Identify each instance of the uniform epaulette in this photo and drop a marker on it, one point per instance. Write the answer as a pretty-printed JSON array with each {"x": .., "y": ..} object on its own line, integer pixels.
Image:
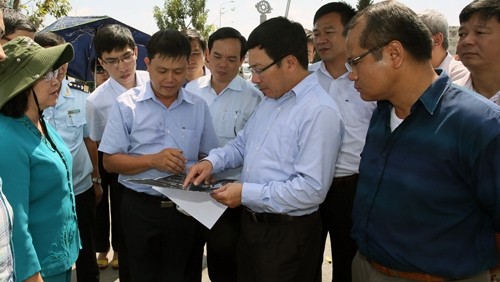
[{"x": 79, "y": 86}]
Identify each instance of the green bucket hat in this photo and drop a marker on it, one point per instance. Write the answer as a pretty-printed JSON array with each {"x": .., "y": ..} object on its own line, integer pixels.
[{"x": 26, "y": 63}]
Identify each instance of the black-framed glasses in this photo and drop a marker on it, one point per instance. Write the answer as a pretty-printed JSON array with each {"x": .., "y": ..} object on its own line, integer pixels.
[
  {"x": 260, "y": 71},
  {"x": 99, "y": 70},
  {"x": 126, "y": 58},
  {"x": 354, "y": 61}
]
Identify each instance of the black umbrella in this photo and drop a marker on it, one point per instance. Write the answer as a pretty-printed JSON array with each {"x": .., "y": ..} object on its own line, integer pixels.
[{"x": 79, "y": 31}]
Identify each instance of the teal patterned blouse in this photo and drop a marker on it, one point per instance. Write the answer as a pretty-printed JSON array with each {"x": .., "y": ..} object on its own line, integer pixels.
[{"x": 37, "y": 182}]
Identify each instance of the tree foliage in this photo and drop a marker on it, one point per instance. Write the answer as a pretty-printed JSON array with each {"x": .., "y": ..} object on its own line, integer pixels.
[
  {"x": 363, "y": 4},
  {"x": 36, "y": 10},
  {"x": 182, "y": 14}
]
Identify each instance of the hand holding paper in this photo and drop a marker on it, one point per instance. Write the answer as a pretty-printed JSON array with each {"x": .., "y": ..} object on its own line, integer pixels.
[{"x": 229, "y": 194}]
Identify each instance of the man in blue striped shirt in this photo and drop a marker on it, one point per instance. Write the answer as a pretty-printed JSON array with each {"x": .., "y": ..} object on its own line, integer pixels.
[
  {"x": 287, "y": 148},
  {"x": 428, "y": 204}
]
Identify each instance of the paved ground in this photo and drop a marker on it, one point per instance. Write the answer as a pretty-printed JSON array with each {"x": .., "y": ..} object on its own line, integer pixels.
[{"x": 111, "y": 275}]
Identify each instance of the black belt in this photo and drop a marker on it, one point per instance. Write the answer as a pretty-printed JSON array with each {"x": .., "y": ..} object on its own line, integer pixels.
[
  {"x": 345, "y": 179},
  {"x": 272, "y": 217},
  {"x": 163, "y": 202}
]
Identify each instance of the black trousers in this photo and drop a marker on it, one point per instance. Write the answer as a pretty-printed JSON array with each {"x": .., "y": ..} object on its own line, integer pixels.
[
  {"x": 221, "y": 242},
  {"x": 112, "y": 192},
  {"x": 336, "y": 216},
  {"x": 86, "y": 264},
  {"x": 159, "y": 240},
  {"x": 279, "y": 251}
]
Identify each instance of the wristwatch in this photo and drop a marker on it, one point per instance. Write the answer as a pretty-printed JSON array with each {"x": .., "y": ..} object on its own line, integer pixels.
[{"x": 97, "y": 180}]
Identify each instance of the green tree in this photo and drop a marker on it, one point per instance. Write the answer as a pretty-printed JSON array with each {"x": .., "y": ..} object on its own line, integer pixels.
[
  {"x": 36, "y": 10},
  {"x": 363, "y": 4},
  {"x": 182, "y": 14}
]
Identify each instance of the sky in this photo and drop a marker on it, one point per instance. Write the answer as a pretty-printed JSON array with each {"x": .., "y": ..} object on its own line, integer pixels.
[{"x": 240, "y": 14}]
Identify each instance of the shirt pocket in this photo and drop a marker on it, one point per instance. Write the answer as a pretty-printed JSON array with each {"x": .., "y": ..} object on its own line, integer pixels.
[
  {"x": 190, "y": 143},
  {"x": 75, "y": 120},
  {"x": 227, "y": 128}
]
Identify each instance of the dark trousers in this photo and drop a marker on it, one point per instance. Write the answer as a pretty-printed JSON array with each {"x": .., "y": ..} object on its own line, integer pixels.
[
  {"x": 86, "y": 264},
  {"x": 336, "y": 215},
  {"x": 111, "y": 196},
  {"x": 279, "y": 251},
  {"x": 221, "y": 242},
  {"x": 159, "y": 240}
]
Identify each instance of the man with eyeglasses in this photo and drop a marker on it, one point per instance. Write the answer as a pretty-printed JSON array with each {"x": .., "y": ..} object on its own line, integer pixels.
[
  {"x": 336, "y": 211},
  {"x": 427, "y": 204},
  {"x": 117, "y": 52},
  {"x": 231, "y": 101},
  {"x": 287, "y": 149}
]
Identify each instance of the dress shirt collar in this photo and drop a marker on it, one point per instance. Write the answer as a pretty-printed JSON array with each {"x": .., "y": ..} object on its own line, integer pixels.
[
  {"x": 433, "y": 94},
  {"x": 235, "y": 84},
  {"x": 147, "y": 92},
  {"x": 322, "y": 69},
  {"x": 303, "y": 87}
]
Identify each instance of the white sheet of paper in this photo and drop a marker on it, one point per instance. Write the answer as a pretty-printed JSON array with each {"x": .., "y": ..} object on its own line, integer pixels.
[{"x": 199, "y": 205}]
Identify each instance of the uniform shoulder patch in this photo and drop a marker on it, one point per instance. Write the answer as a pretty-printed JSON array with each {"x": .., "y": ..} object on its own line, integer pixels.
[{"x": 79, "y": 86}]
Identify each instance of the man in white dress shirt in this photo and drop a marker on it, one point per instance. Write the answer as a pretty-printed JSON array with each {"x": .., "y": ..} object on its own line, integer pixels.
[
  {"x": 329, "y": 22},
  {"x": 117, "y": 53},
  {"x": 441, "y": 59}
]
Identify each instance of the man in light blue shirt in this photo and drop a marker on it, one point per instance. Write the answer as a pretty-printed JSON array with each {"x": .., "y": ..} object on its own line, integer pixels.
[
  {"x": 287, "y": 150},
  {"x": 231, "y": 100},
  {"x": 157, "y": 130}
]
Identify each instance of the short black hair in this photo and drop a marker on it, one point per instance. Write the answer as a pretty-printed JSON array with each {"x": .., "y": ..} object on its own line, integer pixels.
[
  {"x": 15, "y": 20},
  {"x": 487, "y": 9},
  {"x": 169, "y": 43},
  {"x": 391, "y": 20},
  {"x": 113, "y": 37},
  {"x": 48, "y": 39},
  {"x": 193, "y": 34},
  {"x": 345, "y": 11},
  {"x": 228, "y": 32},
  {"x": 280, "y": 37}
]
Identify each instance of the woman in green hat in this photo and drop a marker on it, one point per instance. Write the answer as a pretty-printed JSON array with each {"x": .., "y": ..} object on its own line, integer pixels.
[{"x": 35, "y": 164}]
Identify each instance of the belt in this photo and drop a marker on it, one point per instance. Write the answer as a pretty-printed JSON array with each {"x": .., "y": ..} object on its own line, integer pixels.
[
  {"x": 272, "y": 217},
  {"x": 343, "y": 179},
  {"x": 163, "y": 202},
  {"x": 406, "y": 275}
]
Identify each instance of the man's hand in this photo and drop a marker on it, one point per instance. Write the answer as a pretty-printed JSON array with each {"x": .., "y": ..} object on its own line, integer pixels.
[
  {"x": 198, "y": 173},
  {"x": 98, "y": 193},
  {"x": 170, "y": 160},
  {"x": 229, "y": 194}
]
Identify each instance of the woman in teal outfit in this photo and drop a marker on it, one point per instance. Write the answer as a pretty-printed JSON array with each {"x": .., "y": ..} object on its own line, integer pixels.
[{"x": 35, "y": 165}]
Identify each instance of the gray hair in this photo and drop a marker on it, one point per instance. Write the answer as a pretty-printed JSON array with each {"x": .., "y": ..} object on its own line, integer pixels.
[{"x": 436, "y": 22}]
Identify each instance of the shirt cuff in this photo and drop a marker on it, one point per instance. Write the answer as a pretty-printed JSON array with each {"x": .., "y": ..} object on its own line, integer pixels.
[{"x": 251, "y": 196}]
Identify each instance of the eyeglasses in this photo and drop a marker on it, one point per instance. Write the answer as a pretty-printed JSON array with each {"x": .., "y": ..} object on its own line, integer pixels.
[
  {"x": 260, "y": 71},
  {"x": 127, "y": 58},
  {"x": 99, "y": 70},
  {"x": 354, "y": 61},
  {"x": 51, "y": 75}
]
